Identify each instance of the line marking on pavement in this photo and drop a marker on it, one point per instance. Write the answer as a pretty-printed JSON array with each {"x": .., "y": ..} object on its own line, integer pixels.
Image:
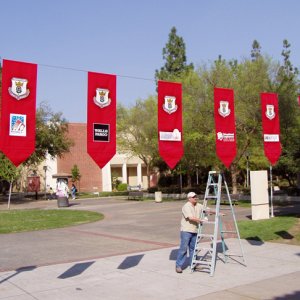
[{"x": 123, "y": 238}]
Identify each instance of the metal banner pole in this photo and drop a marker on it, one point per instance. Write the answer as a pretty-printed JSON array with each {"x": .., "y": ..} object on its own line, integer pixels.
[
  {"x": 9, "y": 195},
  {"x": 271, "y": 192}
]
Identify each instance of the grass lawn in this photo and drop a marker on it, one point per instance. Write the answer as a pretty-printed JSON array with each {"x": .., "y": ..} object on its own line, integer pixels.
[
  {"x": 283, "y": 229},
  {"x": 35, "y": 219}
]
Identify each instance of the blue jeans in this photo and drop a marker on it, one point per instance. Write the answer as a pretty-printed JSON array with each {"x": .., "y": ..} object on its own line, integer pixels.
[{"x": 187, "y": 241}]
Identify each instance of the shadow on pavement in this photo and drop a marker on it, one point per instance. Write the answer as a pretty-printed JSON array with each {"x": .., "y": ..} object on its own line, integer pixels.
[
  {"x": 130, "y": 262},
  {"x": 76, "y": 270},
  {"x": 255, "y": 241},
  {"x": 18, "y": 271},
  {"x": 294, "y": 296},
  {"x": 173, "y": 254}
]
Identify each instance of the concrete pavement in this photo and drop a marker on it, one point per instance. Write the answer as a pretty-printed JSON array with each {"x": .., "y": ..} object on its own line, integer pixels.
[{"x": 131, "y": 255}]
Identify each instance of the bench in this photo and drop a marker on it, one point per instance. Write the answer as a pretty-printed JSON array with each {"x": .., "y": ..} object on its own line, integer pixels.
[
  {"x": 135, "y": 195},
  {"x": 134, "y": 187}
]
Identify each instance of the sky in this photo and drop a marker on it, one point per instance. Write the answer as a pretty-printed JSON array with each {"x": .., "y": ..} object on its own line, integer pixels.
[{"x": 68, "y": 38}]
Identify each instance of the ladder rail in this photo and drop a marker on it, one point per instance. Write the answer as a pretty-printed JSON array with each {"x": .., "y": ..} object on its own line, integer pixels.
[
  {"x": 216, "y": 228},
  {"x": 234, "y": 221}
]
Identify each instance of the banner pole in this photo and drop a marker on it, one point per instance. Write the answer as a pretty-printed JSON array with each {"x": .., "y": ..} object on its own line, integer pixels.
[
  {"x": 9, "y": 195},
  {"x": 271, "y": 192}
]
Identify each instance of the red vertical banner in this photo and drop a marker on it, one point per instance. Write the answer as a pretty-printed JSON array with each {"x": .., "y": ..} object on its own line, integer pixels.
[
  {"x": 225, "y": 125},
  {"x": 101, "y": 117},
  {"x": 170, "y": 135},
  {"x": 271, "y": 127},
  {"x": 299, "y": 100},
  {"x": 18, "y": 112}
]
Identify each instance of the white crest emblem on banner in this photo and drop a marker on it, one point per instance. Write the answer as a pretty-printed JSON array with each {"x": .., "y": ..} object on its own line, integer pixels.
[
  {"x": 18, "y": 88},
  {"x": 270, "y": 113},
  {"x": 224, "y": 110},
  {"x": 101, "y": 99},
  {"x": 170, "y": 105}
]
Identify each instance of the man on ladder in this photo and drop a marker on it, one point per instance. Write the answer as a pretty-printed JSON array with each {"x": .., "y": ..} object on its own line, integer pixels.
[
  {"x": 205, "y": 256},
  {"x": 189, "y": 229}
]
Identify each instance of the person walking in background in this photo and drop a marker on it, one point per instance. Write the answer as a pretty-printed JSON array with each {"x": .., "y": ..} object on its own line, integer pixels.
[
  {"x": 51, "y": 193},
  {"x": 73, "y": 191},
  {"x": 188, "y": 230}
]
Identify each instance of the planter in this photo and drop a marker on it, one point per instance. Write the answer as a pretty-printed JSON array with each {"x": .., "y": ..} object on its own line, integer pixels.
[{"x": 62, "y": 202}]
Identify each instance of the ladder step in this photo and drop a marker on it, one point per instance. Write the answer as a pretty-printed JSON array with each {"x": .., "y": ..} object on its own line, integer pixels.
[
  {"x": 211, "y": 197},
  {"x": 202, "y": 262},
  {"x": 208, "y": 222},
  {"x": 213, "y": 184},
  {"x": 228, "y": 231},
  {"x": 232, "y": 254},
  {"x": 206, "y": 235},
  {"x": 205, "y": 249}
]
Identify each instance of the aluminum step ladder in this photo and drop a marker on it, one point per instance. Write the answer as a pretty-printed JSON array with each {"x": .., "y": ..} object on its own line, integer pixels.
[{"x": 204, "y": 257}]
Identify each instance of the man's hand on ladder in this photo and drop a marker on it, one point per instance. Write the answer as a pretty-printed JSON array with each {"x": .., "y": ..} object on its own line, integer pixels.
[
  {"x": 212, "y": 212},
  {"x": 198, "y": 220}
]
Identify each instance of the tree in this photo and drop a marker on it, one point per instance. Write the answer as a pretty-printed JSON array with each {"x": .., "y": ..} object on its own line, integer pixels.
[
  {"x": 75, "y": 174},
  {"x": 287, "y": 85},
  {"x": 175, "y": 58},
  {"x": 255, "y": 52},
  {"x": 51, "y": 135},
  {"x": 137, "y": 132},
  {"x": 198, "y": 125},
  {"x": 247, "y": 78},
  {"x": 9, "y": 172}
]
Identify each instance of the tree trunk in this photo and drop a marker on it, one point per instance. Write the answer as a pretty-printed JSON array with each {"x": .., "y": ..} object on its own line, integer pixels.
[
  {"x": 189, "y": 180},
  {"x": 148, "y": 175},
  {"x": 234, "y": 173}
]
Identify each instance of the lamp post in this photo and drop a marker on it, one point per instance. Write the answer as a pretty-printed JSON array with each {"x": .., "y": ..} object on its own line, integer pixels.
[
  {"x": 247, "y": 166},
  {"x": 180, "y": 179},
  {"x": 197, "y": 174},
  {"x": 45, "y": 169}
]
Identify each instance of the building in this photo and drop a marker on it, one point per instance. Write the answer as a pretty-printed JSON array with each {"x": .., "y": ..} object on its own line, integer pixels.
[{"x": 124, "y": 167}]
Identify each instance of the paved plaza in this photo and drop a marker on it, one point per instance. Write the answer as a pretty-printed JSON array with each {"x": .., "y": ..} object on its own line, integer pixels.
[{"x": 131, "y": 255}]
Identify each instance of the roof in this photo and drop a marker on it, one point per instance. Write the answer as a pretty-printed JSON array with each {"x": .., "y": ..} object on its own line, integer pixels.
[{"x": 62, "y": 175}]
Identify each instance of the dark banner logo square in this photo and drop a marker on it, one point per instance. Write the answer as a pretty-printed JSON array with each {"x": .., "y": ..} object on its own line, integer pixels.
[{"x": 101, "y": 132}]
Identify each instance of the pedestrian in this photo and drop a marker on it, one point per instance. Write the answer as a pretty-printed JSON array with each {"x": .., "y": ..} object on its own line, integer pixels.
[
  {"x": 51, "y": 193},
  {"x": 188, "y": 230},
  {"x": 73, "y": 191}
]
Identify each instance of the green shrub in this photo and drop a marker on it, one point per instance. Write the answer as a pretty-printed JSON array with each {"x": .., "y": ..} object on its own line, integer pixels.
[
  {"x": 152, "y": 189},
  {"x": 122, "y": 187}
]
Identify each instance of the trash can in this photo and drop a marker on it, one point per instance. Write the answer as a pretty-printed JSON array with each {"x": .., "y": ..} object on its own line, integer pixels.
[
  {"x": 62, "y": 202},
  {"x": 158, "y": 197}
]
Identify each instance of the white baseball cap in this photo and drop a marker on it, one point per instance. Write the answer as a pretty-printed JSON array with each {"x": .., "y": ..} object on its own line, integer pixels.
[{"x": 191, "y": 195}]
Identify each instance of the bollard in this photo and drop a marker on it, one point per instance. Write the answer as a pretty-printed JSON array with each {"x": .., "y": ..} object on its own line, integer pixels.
[{"x": 158, "y": 197}]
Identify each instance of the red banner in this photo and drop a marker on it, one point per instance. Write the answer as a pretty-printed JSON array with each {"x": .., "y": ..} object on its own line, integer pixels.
[
  {"x": 271, "y": 127},
  {"x": 170, "y": 134},
  {"x": 299, "y": 100},
  {"x": 18, "y": 113},
  {"x": 225, "y": 125},
  {"x": 101, "y": 117}
]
